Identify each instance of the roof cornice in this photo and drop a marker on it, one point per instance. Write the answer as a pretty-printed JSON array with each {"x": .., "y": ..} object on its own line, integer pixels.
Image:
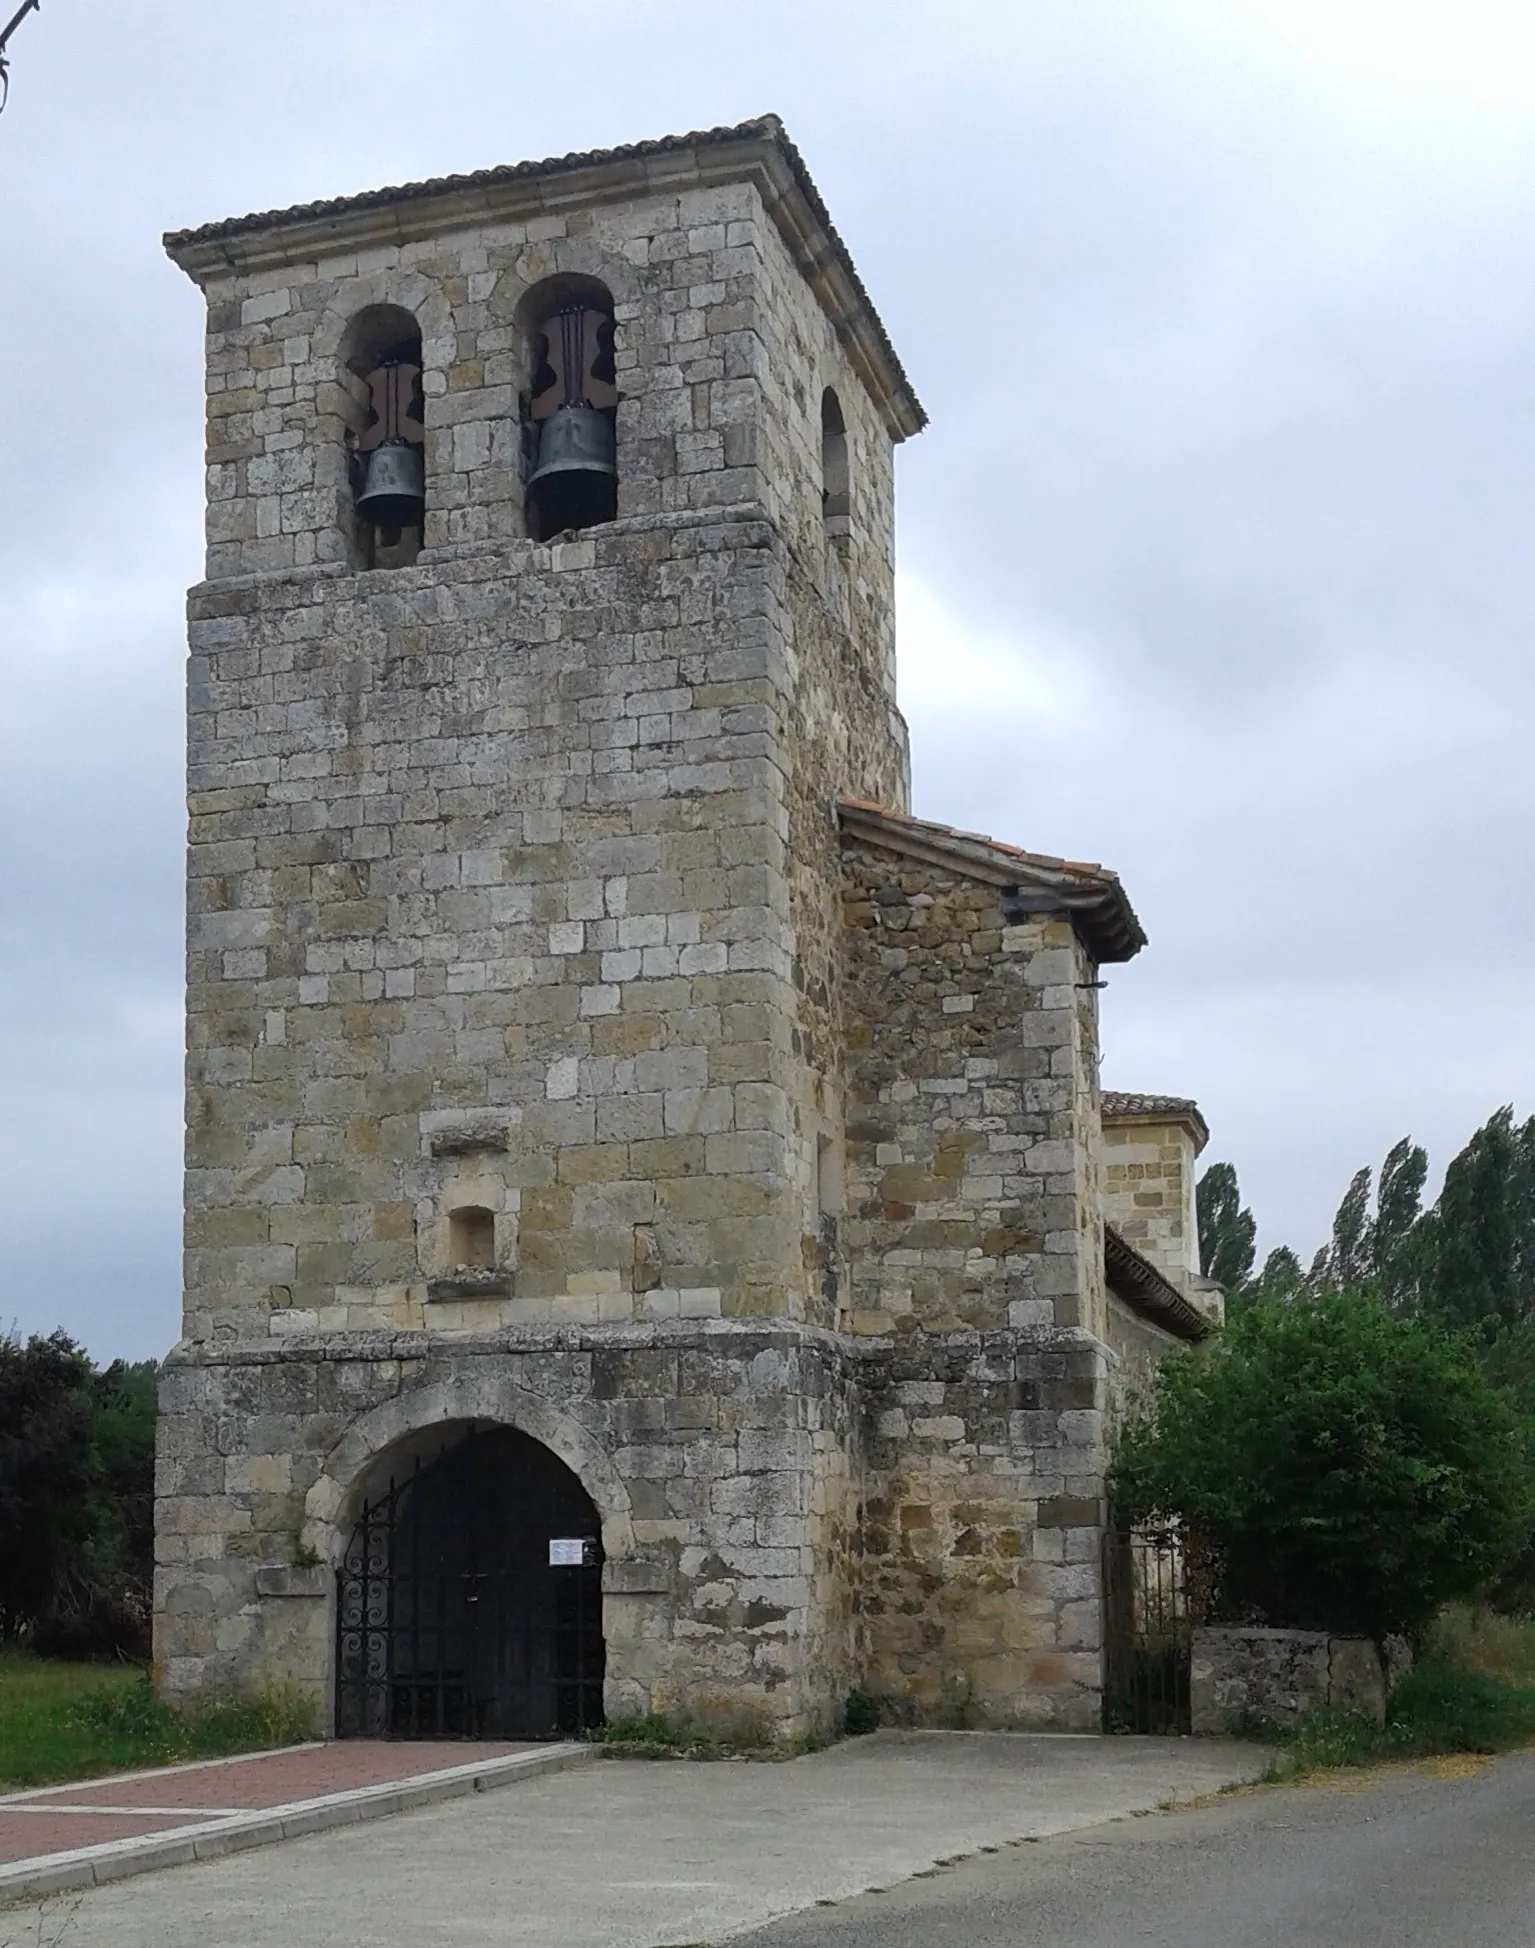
[
  {"x": 1121, "y": 1109},
  {"x": 757, "y": 152},
  {"x": 1148, "y": 1292},
  {"x": 1091, "y": 897}
]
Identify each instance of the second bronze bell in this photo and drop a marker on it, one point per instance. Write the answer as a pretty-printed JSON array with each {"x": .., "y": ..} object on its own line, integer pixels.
[
  {"x": 393, "y": 491},
  {"x": 575, "y": 483}
]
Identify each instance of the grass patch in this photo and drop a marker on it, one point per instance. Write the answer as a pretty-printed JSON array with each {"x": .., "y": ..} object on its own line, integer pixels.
[
  {"x": 1479, "y": 1640},
  {"x": 63, "y": 1721},
  {"x": 724, "y": 1735},
  {"x": 1441, "y": 1709}
]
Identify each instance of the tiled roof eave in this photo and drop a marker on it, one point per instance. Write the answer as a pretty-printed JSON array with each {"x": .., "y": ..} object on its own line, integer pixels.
[
  {"x": 1089, "y": 896},
  {"x": 1147, "y": 1292},
  {"x": 1123, "y": 1106}
]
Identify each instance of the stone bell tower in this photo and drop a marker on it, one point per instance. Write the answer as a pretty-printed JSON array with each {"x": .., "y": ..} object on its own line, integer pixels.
[{"x": 548, "y": 613}]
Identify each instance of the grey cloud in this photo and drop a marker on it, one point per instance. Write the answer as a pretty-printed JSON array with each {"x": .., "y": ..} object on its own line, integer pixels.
[{"x": 1230, "y": 394}]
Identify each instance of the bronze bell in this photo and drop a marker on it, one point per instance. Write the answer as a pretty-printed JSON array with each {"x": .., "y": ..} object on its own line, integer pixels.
[
  {"x": 576, "y": 481},
  {"x": 393, "y": 493}
]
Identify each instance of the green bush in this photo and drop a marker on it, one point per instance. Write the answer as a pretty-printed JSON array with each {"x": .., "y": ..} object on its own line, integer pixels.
[
  {"x": 1348, "y": 1469},
  {"x": 1474, "y": 1639},
  {"x": 666, "y": 1734},
  {"x": 1439, "y": 1710},
  {"x": 860, "y": 1715},
  {"x": 241, "y": 1722},
  {"x": 718, "y": 1734},
  {"x": 1442, "y": 1709}
]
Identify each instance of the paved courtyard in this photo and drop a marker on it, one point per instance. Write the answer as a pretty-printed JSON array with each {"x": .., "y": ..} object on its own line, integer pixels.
[{"x": 634, "y": 1855}]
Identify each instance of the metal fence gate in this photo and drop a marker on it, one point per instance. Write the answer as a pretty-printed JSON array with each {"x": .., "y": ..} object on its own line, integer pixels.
[
  {"x": 469, "y": 1601},
  {"x": 1148, "y": 1626}
]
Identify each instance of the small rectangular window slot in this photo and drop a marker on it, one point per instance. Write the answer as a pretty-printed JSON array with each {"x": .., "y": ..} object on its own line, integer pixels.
[
  {"x": 464, "y": 1142},
  {"x": 828, "y": 1177}
]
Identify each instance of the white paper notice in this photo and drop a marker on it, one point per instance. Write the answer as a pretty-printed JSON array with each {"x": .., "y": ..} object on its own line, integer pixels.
[{"x": 565, "y": 1551}]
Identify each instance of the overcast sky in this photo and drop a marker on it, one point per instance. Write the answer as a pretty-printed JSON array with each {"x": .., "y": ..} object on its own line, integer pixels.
[{"x": 1215, "y": 560}]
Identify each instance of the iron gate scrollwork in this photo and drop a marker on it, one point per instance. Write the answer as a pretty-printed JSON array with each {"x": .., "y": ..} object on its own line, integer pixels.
[{"x": 469, "y": 1600}]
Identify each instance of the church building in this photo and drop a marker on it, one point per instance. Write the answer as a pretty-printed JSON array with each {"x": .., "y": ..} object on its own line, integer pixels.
[{"x": 655, "y": 1239}]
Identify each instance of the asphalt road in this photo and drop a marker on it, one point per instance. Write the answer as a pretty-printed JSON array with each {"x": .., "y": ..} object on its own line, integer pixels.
[{"x": 1438, "y": 1856}]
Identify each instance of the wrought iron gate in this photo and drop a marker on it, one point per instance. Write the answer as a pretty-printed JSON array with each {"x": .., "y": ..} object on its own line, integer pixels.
[
  {"x": 1148, "y": 1626},
  {"x": 469, "y": 1601}
]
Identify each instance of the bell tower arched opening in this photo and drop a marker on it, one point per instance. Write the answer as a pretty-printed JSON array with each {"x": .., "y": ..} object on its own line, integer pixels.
[
  {"x": 381, "y": 370},
  {"x": 469, "y": 1596},
  {"x": 570, "y": 410}
]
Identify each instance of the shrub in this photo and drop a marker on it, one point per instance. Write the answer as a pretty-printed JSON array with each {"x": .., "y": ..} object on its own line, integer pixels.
[
  {"x": 1348, "y": 1468},
  {"x": 860, "y": 1715},
  {"x": 1438, "y": 1710},
  {"x": 201, "y": 1728},
  {"x": 1443, "y": 1709}
]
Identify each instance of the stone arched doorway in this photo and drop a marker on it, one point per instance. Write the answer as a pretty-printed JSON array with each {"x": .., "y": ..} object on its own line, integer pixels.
[{"x": 469, "y": 1597}]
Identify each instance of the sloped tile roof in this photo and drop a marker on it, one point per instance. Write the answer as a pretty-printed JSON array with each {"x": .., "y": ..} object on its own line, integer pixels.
[
  {"x": 1121, "y": 1106},
  {"x": 1089, "y": 895},
  {"x": 767, "y": 126}
]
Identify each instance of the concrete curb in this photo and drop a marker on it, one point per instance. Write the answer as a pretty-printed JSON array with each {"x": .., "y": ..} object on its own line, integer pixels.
[{"x": 64, "y": 1873}]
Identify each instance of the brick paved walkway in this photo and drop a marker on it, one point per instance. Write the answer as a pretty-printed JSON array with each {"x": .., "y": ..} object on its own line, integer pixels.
[{"x": 186, "y": 1798}]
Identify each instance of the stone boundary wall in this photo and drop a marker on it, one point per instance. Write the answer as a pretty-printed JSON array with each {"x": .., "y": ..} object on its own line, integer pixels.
[{"x": 1277, "y": 1675}]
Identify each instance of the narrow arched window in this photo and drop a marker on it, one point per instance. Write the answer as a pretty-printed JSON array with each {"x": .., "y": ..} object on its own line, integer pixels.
[
  {"x": 570, "y": 416},
  {"x": 386, "y": 436},
  {"x": 836, "y": 504}
]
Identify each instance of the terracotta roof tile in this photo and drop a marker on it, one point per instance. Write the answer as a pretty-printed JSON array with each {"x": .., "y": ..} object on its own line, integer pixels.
[
  {"x": 1121, "y": 1105},
  {"x": 1089, "y": 895}
]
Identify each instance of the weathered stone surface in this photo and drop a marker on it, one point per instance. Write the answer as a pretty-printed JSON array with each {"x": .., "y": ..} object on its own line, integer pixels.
[
  {"x": 519, "y": 913},
  {"x": 1276, "y": 1675}
]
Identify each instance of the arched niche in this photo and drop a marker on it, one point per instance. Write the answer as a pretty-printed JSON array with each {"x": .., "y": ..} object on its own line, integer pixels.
[
  {"x": 381, "y": 370},
  {"x": 359, "y": 318}
]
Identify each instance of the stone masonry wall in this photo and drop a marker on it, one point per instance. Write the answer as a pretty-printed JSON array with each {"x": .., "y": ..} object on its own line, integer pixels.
[
  {"x": 975, "y": 1267},
  {"x": 983, "y": 1485},
  {"x": 971, "y": 1132},
  {"x": 433, "y": 897},
  {"x": 1148, "y": 1192},
  {"x": 1243, "y": 1673},
  {"x": 491, "y": 906},
  {"x": 704, "y": 1448},
  {"x": 1138, "y": 1348},
  {"x": 501, "y": 839}
]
